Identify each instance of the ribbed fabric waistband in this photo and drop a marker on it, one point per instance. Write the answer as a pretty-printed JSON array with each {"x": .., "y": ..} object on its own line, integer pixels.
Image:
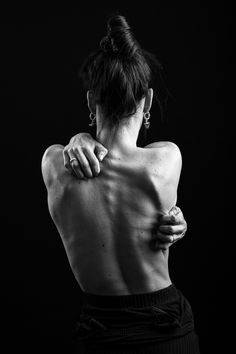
[
  {"x": 134, "y": 300},
  {"x": 131, "y": 319}
]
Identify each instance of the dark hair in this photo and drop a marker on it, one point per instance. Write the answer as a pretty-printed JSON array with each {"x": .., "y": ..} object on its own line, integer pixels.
[{"x": 119, "y": 73}]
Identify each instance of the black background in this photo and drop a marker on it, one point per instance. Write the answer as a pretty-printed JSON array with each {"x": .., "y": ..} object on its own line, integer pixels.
[{"x": 42, "y": 103}]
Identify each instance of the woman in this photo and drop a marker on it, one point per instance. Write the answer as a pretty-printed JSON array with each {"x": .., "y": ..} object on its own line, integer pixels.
[{"x": 108, "y": 224}]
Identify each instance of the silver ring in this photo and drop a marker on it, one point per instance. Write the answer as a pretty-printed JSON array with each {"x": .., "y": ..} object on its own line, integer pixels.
[{"x": 72, "y": 159}]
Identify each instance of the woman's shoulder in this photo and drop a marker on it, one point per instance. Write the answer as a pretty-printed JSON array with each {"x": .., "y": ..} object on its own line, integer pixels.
[
  {"x": 166, "y": 150},
  {"x": 52, "y": 165},
  {"x": 164, "y": 159},
  {"x": 164, "y": 146}
]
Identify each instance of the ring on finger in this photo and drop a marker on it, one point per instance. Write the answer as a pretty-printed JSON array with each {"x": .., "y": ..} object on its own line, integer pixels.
[{"x": 72, "y": 159}]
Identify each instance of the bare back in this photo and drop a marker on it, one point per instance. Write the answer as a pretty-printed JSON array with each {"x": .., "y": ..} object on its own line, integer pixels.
[{"x": 107, "y": 224}]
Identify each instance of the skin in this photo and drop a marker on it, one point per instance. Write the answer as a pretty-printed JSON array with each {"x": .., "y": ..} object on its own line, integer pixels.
[
  {"x": 171, "y": 227},
  {"x": 108, "y": 224}
]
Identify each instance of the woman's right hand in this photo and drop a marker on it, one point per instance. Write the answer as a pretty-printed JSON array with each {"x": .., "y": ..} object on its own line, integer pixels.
[
  {"x": 172, "y": 228},
  {"x": 87, "y": 153}
]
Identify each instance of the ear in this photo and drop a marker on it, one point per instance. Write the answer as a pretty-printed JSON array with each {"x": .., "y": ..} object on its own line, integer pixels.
[
  {"x": 91, "y": 102},
  {"x": 148, "y": 100}
]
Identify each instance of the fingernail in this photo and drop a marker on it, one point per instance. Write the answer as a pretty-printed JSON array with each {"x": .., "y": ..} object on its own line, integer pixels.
[{"x": 101, "y": 156}]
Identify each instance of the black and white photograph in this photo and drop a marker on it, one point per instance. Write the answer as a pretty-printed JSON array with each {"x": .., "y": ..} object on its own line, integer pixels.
[{"x": 117, "y": 138}]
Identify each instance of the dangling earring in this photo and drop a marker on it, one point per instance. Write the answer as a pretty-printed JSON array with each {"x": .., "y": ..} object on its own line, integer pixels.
[
  {"x": 92, "y": 117},
  {"x": 146, "y": 117}
]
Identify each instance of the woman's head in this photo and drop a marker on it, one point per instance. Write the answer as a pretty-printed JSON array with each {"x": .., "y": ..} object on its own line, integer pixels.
[{"x": 119, "y": 73}]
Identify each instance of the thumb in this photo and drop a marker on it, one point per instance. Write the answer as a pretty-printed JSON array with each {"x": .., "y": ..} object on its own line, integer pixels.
[{"x": 100, "y": 151}]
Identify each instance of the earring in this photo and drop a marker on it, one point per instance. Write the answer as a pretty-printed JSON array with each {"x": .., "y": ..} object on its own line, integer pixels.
[
  {"x": 92, "y": 117},
  {"x": 146, "y": 117}
]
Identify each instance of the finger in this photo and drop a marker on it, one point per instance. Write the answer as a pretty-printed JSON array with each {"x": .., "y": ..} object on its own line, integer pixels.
[
  {"x": 168, "y": 238},
  {"x": 93, "y": 161},
  {"x": 172, "y": 219},
  {"x": 100, "y": 151},
  {"x": 66, "y": 159},
  {"x": 172, "y": 229},
  {"x": 74, "y": 163},
  {"x": 77, "y": 170},
  {"x": 84, "y": 164}
]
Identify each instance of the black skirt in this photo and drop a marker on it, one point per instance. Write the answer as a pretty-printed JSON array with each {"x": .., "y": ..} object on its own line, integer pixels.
[{"x": 155, "y": 322}]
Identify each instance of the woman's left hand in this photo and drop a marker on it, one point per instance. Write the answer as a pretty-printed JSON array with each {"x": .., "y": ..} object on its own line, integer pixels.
[{"x": 172, "y": 228}]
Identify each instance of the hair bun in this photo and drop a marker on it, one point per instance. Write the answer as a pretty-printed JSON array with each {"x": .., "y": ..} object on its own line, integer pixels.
[
  {"x": 107, "y": 45},
  {"x": 119, "y": 39}
]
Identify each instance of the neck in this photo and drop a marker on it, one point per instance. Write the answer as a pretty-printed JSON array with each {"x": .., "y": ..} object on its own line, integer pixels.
[{"x": 121, "y": 137}]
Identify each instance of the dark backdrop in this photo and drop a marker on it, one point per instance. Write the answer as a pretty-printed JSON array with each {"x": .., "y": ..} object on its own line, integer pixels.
[{"x": 42, "y": 103}]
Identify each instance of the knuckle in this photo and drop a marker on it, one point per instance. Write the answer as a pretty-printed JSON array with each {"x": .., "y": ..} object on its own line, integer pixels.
[
  {"x": 173, "y": 211},
  {"x": 76, "y": 149},
  {"x": 84, "y": 148},
  {"x": 74, "y": 163},
  {"x": 177, "y": 210},
  {"x": 178, "y": 219}
]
